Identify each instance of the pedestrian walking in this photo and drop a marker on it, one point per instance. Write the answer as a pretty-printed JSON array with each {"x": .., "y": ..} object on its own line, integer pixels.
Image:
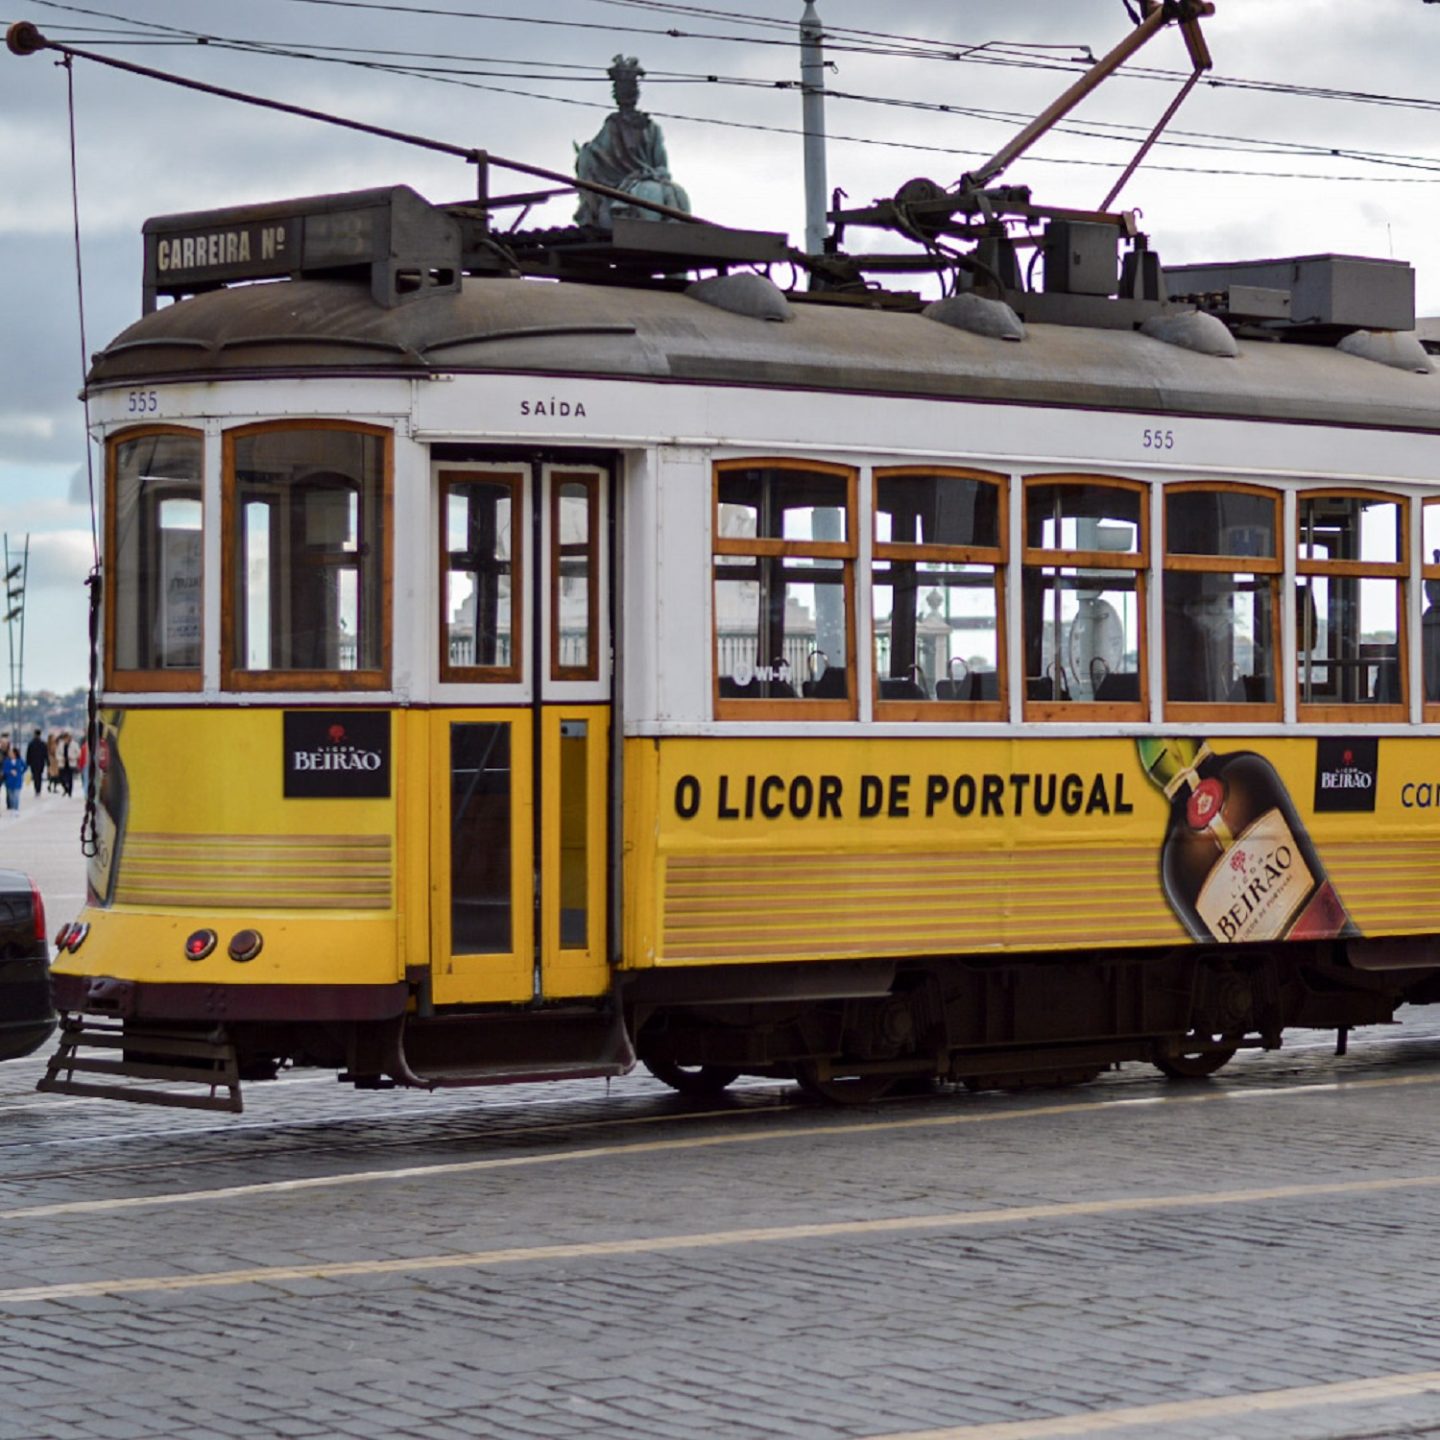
[
  {"x": 52, "y": 763},
  {"x": 66, "y": 753},
  {"x": 37, "y": 757},
  {"x": 12, "y": 772}
]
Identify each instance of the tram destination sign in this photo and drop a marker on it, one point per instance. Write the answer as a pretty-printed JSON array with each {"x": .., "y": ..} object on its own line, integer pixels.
[
  {"x": 337, "y": 754},
  {"x": 405, "y": 245}
]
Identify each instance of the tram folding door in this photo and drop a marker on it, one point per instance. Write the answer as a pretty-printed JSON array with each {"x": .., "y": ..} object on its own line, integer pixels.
[{"x": 520, "y": 756}]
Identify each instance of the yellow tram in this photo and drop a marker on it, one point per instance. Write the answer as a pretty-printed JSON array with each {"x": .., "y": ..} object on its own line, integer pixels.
[{"x": 520, "y": 661}]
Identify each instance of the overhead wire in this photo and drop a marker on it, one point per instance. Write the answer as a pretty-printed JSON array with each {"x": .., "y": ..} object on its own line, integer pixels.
[
  {"x": 1100, "y": 130},
  {"x": 1009, "y": 53}
]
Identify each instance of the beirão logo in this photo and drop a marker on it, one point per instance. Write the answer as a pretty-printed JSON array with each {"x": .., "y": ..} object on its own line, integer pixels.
[
  {"x": 1346, "y": 774},
  {"x": 339, "y": 754}
]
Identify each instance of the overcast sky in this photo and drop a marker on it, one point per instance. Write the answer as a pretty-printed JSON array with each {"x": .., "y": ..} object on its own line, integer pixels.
[{"x": 1251, "y": 171}]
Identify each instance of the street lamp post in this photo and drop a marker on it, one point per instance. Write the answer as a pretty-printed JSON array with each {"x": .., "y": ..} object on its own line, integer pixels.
[{"x": 17, "y": 566}]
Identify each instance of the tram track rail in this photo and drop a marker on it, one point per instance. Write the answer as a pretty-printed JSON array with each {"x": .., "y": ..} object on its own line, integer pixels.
[
  {"x": 495, "y": 1123},
  {"x": 830, "y": 1124}
]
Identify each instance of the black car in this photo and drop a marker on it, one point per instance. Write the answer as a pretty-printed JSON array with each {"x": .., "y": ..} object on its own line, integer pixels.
[{"x": 27, "y": 1015}]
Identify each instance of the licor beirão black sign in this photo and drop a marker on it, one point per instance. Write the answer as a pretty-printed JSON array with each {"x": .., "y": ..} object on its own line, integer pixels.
[
  {"x": 337, "y": 754},
  {"x": 1345, "y": 773}
]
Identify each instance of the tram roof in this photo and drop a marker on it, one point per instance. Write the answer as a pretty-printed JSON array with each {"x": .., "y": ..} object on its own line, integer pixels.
[{"x": 312, "y": 328}]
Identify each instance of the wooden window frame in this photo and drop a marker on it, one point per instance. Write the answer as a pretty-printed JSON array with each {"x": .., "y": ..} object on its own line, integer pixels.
[
  {"x": 515, "y": 481},
  {"x": 1360, "y": 712},
  {"x": 238, "y": 678},
  {"x": 1273, "y": 565},
  {"x": 1429, "y": 571},
  {"x": 177, "y": 681},
  {"x": 846, "y": 551},
  {"x": 1038, "y": 558},
  {"x": 590, "y": 670},
  {"x": 972, "y": 710}
]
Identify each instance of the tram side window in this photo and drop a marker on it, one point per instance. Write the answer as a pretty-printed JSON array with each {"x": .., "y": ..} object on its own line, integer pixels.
[
  {"x": 1351, "y": 570},
  {"x": 1430, "y": 617},
  {"x": 308, "y": 556},
  {"x": 155, "y": 549},
  {"x": 482, "y": 575},
  {"x": 783, "y": 577},
  {"x": 936, "y": 584},
  {"x": 1222, "y": 598},
  {"x": 1083, "y": 594}
]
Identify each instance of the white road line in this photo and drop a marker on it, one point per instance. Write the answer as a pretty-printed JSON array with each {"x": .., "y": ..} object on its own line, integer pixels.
[
  {"x": 698, "y": 1142},
  {"x": 718, "y": 1239},
  {"x": 1369, "y": 1391}
]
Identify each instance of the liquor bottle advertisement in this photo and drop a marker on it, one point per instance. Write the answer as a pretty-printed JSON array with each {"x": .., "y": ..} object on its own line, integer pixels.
[
  {"x": 112, "y": 806},
  {"x": 1237, "y": 863}
]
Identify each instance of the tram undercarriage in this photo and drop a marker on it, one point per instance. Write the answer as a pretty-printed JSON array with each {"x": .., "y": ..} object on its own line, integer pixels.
[{"x": 847, "y": 1032}]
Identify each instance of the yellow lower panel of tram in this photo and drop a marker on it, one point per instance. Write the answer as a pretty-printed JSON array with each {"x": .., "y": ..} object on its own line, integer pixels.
[{"x": 331, "y": 948}]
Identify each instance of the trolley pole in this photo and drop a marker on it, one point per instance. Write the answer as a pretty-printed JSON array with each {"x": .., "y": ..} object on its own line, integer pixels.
[
  {"x": 812, "y": 89},
  {"x": 17, "y": 568}
]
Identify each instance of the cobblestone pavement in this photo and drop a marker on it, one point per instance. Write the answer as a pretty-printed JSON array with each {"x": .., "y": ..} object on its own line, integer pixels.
[{"x": 1127, "y": 1258}]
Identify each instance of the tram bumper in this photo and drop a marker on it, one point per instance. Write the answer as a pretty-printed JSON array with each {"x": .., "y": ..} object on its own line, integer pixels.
[{"x": 218, "y": 1003}]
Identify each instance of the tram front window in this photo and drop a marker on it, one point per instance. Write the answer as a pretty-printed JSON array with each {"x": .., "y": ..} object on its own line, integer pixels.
[
  {"x": 156, "y": 550},
  {"x": 308, "y": 572}
]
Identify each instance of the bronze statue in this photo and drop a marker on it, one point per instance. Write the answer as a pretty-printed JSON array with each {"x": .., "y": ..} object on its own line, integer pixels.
[{"x": 628, "y": 154}]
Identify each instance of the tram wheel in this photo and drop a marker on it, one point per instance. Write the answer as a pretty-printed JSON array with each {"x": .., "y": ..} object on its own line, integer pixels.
[
  {"x": 700, "y": 1082},
  {"x": 842, "y": 1090},
  {"x": 1196, "y": 1064}
]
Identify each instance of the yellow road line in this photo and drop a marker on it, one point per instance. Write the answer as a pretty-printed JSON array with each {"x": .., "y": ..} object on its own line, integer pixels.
[
  {"x": 719, "y": 1239},
  {"x": 698, "y": 1142},
  {"x": 1178, "y": 1412}
]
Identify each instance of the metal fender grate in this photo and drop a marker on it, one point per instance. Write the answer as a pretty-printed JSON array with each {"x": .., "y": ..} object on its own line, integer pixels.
[{"x": 162, "y": 1057}]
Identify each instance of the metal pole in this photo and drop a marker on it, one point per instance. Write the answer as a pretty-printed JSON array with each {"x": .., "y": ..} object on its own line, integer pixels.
[
  {"x": 1187, "y": 12},
  {"x": 16, "y": 573},
  {"x": 812, "y": 89},
  {"x": 1150, "y": 139}
]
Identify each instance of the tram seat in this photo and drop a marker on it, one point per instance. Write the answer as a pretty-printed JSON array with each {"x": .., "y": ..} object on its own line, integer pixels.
[
  {"x": 832, "y": 685},
  {"x": 978, "y": 685},
  {"x": 1118, "y": 686},
  {"x": 1249, "y": 690},
  {"x": 1387, "y": 683},
  {"x": 901, "y": 687},
  {"x": 731, "y": 689},
  {"x": 1042, "y": 687}
]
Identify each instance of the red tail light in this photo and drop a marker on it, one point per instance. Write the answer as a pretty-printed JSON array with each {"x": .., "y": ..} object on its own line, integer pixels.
[
  {"x": 37, "y": 905},
  {"x": 200, "y": 944},
  {"x": 245, "y": 945}
]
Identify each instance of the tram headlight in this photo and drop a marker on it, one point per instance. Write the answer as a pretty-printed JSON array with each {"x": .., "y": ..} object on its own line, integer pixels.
[
  {"x": 75, "y": 935},
  {"x": 246, "y": 945},
  {"x": 62, "y": 936},
  {"x": 200, "y": 944}
]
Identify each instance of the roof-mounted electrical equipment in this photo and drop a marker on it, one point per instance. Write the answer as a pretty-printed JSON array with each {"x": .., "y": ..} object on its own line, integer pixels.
[{"x": 1314, "y": 293}]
